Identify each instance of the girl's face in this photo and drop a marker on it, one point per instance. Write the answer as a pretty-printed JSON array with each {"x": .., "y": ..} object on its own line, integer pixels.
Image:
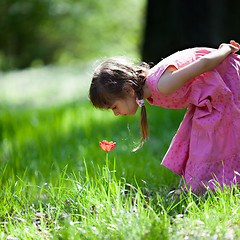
[{"x": 125, "y": 107}]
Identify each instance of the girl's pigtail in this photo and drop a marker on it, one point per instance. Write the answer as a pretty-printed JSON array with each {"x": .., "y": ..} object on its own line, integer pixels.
[
  {"x": 144, "y": 125},
  {"x": 143, "y": 120}
]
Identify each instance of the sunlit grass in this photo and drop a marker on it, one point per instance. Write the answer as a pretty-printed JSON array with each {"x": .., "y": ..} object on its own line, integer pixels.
[
  {"x": 106, "y": 207},
  {"x": 56, "y": 184},
  {"x": 43, "y": 140}
]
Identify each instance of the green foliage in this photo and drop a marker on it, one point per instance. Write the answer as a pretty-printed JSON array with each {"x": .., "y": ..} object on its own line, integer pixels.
[
  {"x": 35, "y": 32},
  {"x": 46, "y": 140},
  {"x": 57, "y": 183},
  {"x": 20, "y": 39},
  {"x": 54, "y": 178}
]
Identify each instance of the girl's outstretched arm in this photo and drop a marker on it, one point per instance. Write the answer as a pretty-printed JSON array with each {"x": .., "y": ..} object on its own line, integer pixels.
[{"x": 173, "y": 79}]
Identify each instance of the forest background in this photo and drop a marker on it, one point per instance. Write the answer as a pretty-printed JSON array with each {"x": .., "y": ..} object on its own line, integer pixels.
[{"x": 55, "y": 181}]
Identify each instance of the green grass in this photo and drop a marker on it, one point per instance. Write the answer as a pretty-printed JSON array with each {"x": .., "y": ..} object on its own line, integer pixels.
[
  {"x": 46, "y": 140},
  {"x": 56, "y": 184}
]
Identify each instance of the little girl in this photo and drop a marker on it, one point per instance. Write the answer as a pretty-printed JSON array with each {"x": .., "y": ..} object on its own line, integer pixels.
[{"x": 206, "y": 147}]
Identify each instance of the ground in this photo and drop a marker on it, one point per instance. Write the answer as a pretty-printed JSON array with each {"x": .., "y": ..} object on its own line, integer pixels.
[{"x": 45, "y": 86}]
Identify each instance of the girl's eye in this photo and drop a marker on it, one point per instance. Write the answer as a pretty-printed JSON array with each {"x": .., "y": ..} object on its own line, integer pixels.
[{"x": 113, "y": 108}]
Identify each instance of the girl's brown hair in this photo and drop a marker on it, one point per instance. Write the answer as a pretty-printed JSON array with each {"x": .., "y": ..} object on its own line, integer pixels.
[{"x": 108, "y": 82}]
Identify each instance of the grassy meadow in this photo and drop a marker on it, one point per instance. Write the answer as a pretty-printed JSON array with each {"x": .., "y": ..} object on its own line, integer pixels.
[
  {"x": 55, "y": 180},
  {"x": 57, "y": 183}
]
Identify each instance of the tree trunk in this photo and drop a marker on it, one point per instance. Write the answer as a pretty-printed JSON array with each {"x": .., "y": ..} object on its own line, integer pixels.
[{"x": 174, "y": 25}]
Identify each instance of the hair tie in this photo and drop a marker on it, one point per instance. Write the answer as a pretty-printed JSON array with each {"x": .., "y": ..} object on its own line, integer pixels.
[{"x": 140, "y": 102}]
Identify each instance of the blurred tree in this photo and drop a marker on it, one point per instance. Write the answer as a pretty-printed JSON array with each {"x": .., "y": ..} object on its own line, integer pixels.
[
  {"x": 175, "y": 25},
  {"x": 67, "y": 31},
  {"x": 91, "y": 29},
  {"x": 20, "y": 36}
]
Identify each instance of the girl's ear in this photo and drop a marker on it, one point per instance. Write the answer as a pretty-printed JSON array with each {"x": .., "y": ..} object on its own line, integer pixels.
[{"x": 128, "y": 90}]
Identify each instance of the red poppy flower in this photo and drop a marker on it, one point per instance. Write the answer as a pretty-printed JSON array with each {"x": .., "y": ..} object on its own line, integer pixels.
[{"x": 107, "y": 146}]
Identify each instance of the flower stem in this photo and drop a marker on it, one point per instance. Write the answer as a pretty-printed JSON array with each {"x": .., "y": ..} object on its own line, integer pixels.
[
  {"x": 107, "y": 173},
  {"x": 107, "y": 160}
]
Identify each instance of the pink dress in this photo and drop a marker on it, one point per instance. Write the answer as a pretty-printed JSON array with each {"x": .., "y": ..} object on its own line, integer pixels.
[{"x": 206, "y": 147}]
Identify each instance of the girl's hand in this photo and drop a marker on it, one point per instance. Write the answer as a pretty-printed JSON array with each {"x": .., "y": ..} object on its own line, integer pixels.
[{"x": 233, "y": 46}]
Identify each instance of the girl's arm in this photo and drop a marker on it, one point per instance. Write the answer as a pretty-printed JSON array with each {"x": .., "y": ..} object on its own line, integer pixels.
[{"x": 173, "y": 79}]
